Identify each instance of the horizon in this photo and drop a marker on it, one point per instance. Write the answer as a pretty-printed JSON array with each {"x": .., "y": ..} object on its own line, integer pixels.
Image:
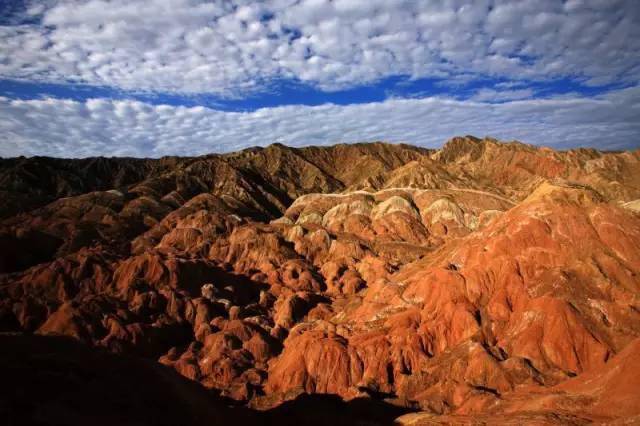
[
  {"x": 151, "y": 78},
  {"x": 329, "y": 145}
]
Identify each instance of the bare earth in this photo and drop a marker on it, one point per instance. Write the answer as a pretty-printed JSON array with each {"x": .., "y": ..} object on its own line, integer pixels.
[{"x": 483, "y": 283}]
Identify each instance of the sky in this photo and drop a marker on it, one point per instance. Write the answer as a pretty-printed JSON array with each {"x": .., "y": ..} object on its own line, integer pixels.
[{"x": 150, "y": 78}]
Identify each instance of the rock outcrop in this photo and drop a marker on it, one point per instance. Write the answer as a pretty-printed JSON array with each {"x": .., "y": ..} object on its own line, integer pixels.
[{"x": 484, "y": 281}]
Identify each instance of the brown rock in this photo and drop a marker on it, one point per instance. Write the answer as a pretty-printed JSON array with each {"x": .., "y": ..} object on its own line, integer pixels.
[{"x": 484, "y": 281}]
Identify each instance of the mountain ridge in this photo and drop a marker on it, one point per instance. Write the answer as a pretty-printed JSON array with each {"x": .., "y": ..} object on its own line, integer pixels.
[{"x": 446, "y": 281}]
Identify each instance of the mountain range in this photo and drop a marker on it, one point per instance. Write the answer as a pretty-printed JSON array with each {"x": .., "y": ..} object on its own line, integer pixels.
[{"x": 484, "y": 282}]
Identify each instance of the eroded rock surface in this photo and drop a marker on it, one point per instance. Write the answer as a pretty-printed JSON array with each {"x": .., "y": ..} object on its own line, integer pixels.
[{"x": 451, "y": 282}]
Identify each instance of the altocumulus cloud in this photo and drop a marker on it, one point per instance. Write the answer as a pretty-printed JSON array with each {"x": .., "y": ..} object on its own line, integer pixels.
[
  {"x": 512, "y": 55},
  {"x": 234, "y": 47},
  {"x": 130, "y": 128}
]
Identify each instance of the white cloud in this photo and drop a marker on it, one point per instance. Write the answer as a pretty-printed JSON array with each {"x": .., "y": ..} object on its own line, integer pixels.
[
  {"x": 492, "y": 95},
  {"x": 66, "y": 128},
  {"x": 233, "y": 47}
]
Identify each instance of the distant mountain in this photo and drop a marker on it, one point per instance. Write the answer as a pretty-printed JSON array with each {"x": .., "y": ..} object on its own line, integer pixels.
[{"x": 484, "y": 280}]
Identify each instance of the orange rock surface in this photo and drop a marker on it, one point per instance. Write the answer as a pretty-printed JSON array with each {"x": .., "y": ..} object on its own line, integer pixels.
[{"x": 481, "y": 282}]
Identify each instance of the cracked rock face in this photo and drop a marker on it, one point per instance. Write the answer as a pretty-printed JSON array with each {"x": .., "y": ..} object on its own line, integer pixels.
[{"x": 481, "y": 281}]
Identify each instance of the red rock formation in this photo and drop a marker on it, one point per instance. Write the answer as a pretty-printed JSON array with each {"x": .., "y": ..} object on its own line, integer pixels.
[{"x": 451, "y": 281}]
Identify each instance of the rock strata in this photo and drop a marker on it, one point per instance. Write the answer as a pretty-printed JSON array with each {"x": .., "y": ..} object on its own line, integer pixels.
[{"x": 482, "y": 281}]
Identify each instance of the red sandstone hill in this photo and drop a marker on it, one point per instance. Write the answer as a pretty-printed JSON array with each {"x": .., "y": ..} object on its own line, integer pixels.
[{"x": 483, "y": 282}]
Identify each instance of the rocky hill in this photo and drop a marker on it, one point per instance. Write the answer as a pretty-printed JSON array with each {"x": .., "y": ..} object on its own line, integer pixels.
[{"x": 482, "y": 282}]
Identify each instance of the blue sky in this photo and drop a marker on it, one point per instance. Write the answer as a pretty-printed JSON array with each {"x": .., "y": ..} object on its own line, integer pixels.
[
  {"x": 287, "y": 92},
  {"x": 187, "y": 77}
]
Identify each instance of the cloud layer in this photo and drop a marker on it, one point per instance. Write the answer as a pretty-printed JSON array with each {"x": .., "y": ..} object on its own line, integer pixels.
[
  {"x": 234, "y": 47},
  {"x": 66, "y": 128}
]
